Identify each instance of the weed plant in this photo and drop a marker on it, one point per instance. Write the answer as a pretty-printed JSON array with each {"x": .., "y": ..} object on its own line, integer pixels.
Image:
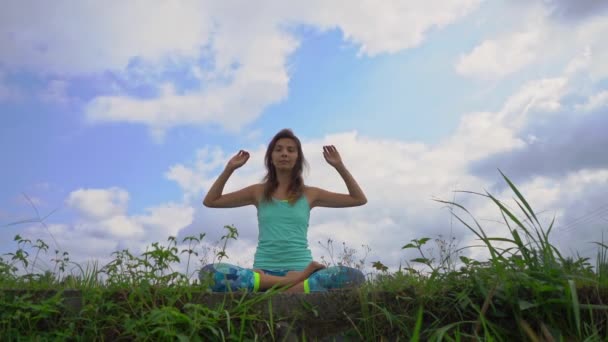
[{"x": 525, "y": 290}]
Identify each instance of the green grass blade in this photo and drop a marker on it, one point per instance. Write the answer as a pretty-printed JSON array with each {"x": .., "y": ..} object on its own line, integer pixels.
[
  {"x": 576, "y": 306},
  {"x": 504, "y": 209},
  {"x": 418, "y": 326},
  {"x": 519, "y": 195}
]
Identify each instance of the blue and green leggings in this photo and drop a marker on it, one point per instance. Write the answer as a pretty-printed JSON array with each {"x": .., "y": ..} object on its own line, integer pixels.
[{"x": 223, "y": 277}]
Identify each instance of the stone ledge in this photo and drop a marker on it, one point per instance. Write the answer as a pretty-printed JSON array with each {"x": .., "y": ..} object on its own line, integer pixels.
[
  {"x": 316, "y": 315},
  {"x": 324, "y": 316}
]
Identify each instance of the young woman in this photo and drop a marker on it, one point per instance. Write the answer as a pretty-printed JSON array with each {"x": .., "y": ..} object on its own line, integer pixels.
[{"x": 283, "y": 202}]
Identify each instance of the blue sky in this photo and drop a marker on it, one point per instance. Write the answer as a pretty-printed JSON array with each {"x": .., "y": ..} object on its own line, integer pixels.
[{"x": 122, "y": 124}]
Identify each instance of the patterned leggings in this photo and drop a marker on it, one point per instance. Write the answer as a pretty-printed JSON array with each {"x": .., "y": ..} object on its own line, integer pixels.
[{"x": 223, "y": 277}]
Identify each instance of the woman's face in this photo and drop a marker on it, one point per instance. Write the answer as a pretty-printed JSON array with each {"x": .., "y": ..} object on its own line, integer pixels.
[{"x": 285, "y": 154}]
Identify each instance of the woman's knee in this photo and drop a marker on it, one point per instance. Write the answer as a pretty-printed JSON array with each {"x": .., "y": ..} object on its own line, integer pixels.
[
  {"x": 344, "y": 271},
  {"x": 335, "y": 277},
  {"x": 222, "y": 277}
]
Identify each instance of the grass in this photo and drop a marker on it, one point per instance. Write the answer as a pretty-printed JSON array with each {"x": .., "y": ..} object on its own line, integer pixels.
[{"x": 525, "y": 290}]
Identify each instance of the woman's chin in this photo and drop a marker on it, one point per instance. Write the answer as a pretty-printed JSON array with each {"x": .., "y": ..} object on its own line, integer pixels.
[{"x": 283, "y": 168}]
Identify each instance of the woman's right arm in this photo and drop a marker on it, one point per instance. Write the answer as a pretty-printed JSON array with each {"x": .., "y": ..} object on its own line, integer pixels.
[{"x": 243, "y": 197}]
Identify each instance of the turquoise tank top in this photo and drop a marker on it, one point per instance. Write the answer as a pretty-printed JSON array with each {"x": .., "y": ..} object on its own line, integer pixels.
[{"x": 282, "y": 239}]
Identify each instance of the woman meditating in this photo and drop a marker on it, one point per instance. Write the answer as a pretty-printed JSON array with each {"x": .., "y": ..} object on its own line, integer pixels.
[{"x": 283, "y": 258}]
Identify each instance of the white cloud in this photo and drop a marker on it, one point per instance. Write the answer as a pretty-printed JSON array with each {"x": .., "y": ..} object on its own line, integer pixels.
[
  {"x": 537, "y": 39},
  {"x": 103, "y": 226},
  {"x": 591, "y": 36},
  {"x": 595, "y": 102},
  {"x": 195, "y": 178},
  {"x": 187, "y": 179},
  {"x": 497, "y": 58},
  {"x": 387, "y": 26},
  {"x": 99, "y": 203},
  {"x": 93, "y": 37},
  {"x": 535, "y": 98},
  {"x": 166, "y": 220},
  {"x": 231, "y": 106},
  {"x": 121, "y": 226},
  {"x": 248, "y": 52},
  {"x": 482, "y": 134},
  {"x": 560, "y": 198},
  {"x": 100, "y": 37}
]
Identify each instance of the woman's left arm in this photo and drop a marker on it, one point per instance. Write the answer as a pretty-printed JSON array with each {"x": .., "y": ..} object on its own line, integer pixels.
[{"x": 324, "y": 198}]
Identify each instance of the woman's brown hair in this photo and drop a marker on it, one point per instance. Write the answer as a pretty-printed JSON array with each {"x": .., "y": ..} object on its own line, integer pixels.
[{"x": 296, "y": 186}]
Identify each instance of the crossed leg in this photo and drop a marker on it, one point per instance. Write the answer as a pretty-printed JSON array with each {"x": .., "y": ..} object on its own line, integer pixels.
[
  {"x": 314, "y": 278},
  {"x": 291, "y": 279}
]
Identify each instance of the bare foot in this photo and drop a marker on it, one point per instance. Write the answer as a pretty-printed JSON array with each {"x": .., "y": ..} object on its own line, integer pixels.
[
  {"x": 310, "y": 269},
  {"x": 314, "y": 266}
]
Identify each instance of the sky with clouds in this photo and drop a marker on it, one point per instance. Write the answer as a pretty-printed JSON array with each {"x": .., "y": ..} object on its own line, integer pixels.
[{"x": 116, "y": 117}]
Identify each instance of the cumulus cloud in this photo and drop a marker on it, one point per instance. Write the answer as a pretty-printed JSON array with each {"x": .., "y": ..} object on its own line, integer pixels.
[
  {"x": 166, "y": 220},
  {"x": 95, "y": 37},
  {"x": 596, "y": 102},
  {"x": 576, "y": 10},
  {"x": 102, "y": 225},
  {"x": 109, "y": 36},
  {"x": 230, "y": 106},
  {"x": 496, "y": 58},
  {"x": 244, "y": 55},
  {"x": 591, "y": 35},
  {"x": 560, "y": 122},
  {"x": 389, "y": 26},
  {"x": 536, "y": 39},
  {"x": 194, "y": 177},
  {"x": 560, "y": 125},
  {"x": 564, "y": 144},
  {"x": 99, "y": 203}
]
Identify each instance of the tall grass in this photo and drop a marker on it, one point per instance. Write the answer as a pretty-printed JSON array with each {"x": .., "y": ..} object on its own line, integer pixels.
[{"x": 525, "y": 290}]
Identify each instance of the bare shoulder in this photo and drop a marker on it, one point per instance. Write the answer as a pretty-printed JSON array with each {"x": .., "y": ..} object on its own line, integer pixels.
[
  {"x": 311, "y": 194},
  {"x": 310, "y": 190},
  {"x": 240, "y": 198},
  {"x": 258, "y": 192}
]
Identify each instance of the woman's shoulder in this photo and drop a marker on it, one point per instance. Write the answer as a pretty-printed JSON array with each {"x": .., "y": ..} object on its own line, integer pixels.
[
  {"x": 309, "y": 188},
  {"x": 310, "y": 191},
  {"x": 258, "y": 191}
]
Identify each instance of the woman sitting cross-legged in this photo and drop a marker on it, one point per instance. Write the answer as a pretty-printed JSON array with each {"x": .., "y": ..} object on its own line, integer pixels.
[{"x": 283, "y": 258}]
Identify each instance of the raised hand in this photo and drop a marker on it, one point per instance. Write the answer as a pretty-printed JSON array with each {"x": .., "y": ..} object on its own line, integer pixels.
[
  {"x": 332, "y": 156},
  {"x": 238, "y": 160}
]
